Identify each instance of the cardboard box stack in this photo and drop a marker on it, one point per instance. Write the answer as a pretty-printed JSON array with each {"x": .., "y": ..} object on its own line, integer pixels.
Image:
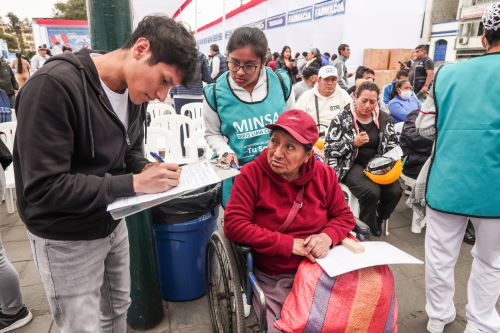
[{"x": 385, "y": 63}]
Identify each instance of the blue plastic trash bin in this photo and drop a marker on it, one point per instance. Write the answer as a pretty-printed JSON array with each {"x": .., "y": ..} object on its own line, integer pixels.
[{"x": 181, "y": 256}]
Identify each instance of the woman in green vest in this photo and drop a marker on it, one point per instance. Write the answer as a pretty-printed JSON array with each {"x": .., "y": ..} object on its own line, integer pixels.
[{"x": 243, "y": 100}]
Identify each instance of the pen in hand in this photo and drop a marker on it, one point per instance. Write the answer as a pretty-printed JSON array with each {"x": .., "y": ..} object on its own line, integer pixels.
[{"x": 157, "y": 157}]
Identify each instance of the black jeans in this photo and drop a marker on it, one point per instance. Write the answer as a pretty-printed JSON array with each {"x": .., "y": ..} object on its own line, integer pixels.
[{"x": 374, "y": 199}]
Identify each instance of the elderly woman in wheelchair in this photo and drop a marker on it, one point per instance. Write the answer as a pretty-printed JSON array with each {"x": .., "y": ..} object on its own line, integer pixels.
[{"x": 286, "y": 206}]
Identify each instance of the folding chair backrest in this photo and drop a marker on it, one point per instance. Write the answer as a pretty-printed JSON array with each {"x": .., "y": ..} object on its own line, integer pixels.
[
  {"x": 173, "y": 134},
  {"x": 195, "y": 112},
  {"x": 160, "y": 109},
  {"x": 7, "y": 133}
]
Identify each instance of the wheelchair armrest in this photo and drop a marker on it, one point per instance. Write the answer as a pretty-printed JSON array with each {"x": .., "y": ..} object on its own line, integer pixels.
[
  {"x": 361, "y": 229},
  {"x": 243, "y": 249}
]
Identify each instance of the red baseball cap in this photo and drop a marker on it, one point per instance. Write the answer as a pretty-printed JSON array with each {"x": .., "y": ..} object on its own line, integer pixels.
[{"x": 299, "y": 125}]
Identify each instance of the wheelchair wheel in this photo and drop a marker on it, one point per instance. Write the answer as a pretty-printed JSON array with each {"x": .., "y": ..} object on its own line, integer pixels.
[{"x": 223, "y": 286}]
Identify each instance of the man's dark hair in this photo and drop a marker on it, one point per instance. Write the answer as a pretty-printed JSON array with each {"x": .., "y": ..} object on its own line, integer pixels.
[
  {"x": 422, "y": 47},
  {"x": 244, "y": 36},
  {"x": 309, "y": 71},
  {"x": 334, "y": 56},
  {"x": 297, "y": 54},
  {"x": 327, "y": 54},
  {"x": 360, "y": 71},
  {"x": 276, "y": 55},
  {"x": 304, "y": 54},
  {"x": 367, "y": 85},
  {"x": 342, "y": 47},
  {"x": 401, "y": 73},
  {"x": 215, "y": 48},
  {"x": 492, "y": 36},
  {"x": 170, "y": 43}
]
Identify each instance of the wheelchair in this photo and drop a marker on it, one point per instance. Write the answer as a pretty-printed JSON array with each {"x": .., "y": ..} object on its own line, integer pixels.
[{"x": 230, "y": 282}]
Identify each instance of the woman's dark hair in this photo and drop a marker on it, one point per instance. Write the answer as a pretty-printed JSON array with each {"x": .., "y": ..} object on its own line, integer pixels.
[
  {"x": 170, "y": 43},
  {"x": 395, "y": 88},
  {"x": 367, "y": 85},
  {"x": 67, "y": 48},
  {"x": 283, "y": 52},
  {"x": 276, "y": 55},
  {"x": 19, "y": 57},
  {"x": 244, "y": 36},
  {"x": 297, "y": 54}
]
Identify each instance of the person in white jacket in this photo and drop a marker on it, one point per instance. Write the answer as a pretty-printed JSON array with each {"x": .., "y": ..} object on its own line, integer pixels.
[
  {"x": 326, "y": 99},
  {"x": 39, "y": 59}
]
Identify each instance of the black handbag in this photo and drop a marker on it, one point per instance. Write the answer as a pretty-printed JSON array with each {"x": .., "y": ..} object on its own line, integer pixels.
[{"x": 5, "y": 155}]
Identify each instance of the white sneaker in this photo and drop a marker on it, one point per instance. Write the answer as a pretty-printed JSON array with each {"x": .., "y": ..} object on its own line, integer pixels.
[
  {"x": 471, "y": 328},
  {"x": 437, "y": 326}
]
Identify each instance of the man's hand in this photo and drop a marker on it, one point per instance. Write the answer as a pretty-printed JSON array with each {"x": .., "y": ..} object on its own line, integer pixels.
[
  {"x": 157, "y": 178},
  {"x": 318, "y": 244},
  {"x": 425, "y": 90},
  {"x": 299, "y": 249},
  {"x": 361, "y": 139}
]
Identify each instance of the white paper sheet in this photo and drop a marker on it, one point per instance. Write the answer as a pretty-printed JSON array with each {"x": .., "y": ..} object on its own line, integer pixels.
[
  {"x": 395, "y": 153},
  {"x": 193, "y": 176},
  {"x": 340, "y": 260}
]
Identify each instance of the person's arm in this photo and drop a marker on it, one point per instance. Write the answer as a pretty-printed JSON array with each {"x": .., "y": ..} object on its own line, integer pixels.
[
  {"x": 134, "y": 158},
  {"x": 426, "y": 120},
  {"x": 429, "y": 70},
  {"x": 397, "y": 110},
  {"x": 239, "y": 226},
  {"x": 13, "y": 80},
  {"x": 215, "y": 67},
  {"x": 205, "y": 71},
  {"x": 213, "y": 133},
  {"x": 340, "y": 70},
  {"x": 338, "y": 143}
]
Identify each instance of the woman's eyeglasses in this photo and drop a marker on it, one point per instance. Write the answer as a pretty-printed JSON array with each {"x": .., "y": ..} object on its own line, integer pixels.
[{"x": 247, "y": 68}]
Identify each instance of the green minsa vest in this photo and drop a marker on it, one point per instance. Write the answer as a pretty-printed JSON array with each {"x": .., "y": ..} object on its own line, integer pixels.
[
  {"x": 464, "y": 176},
  {"x": 243, "y": 123}
]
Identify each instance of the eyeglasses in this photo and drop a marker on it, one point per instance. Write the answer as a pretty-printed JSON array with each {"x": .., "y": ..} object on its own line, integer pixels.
[{"x": 247, "y": 68}]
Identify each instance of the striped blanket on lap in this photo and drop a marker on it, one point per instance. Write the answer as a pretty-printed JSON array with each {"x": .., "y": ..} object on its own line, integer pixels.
[{"x": 359, "y": 301}]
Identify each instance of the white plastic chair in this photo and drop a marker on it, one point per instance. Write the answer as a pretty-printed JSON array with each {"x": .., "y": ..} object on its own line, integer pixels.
[
  {"x": 7, "y": 134},
  {"x": 195, "y": 112},
  {"x": 160, "y": 109},
  {"x": 171, "y": 133},
  {"x": 353, "y": 203}
]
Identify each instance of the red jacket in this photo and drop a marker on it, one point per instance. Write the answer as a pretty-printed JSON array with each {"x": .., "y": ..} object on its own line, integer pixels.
[{"x": 260, "y": 201}]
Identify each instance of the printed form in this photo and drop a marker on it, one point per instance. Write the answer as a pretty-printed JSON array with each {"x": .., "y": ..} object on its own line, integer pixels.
[{"x": 193, "y": 176}]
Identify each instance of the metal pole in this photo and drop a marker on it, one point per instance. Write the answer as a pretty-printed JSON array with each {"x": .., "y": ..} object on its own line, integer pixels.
[{"x": 110, "y": 26}]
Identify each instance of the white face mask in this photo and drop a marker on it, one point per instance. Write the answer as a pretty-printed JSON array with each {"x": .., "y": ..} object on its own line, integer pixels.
[{"x": 406, "y": 94}]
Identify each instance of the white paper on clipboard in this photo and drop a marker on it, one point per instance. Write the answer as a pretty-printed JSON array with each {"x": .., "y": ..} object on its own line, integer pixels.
[
  {"x": 193, "y": 176},
  {"x": 340, "y": 259}
]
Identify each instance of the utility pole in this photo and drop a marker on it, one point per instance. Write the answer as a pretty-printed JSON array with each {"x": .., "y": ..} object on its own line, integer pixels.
[{"x": 110, "y": 25}]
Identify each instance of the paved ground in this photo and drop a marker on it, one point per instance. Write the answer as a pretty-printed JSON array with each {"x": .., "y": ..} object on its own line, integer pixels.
[{"x": 191, "y": 317}]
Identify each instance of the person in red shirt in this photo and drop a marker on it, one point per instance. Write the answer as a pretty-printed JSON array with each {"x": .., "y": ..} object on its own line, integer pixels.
[
  {"x": 272, "y": 63},
  {"x": 261, "y": 211}
]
